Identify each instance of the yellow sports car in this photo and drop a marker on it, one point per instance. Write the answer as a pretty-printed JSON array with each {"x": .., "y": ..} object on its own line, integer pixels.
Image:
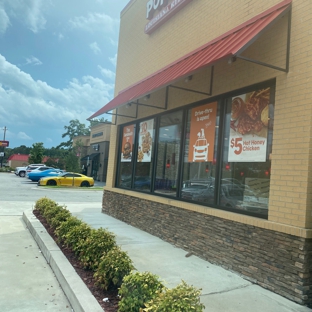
[{"x": 68, "y": 179}]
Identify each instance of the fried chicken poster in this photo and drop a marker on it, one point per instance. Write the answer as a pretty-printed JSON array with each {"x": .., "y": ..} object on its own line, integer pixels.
[
  {"x": 127, "y": 143},
  {"x": 202, "y": 134},
  {"x": 146, "y": 141},
  {"x": 249, "y": 127}
]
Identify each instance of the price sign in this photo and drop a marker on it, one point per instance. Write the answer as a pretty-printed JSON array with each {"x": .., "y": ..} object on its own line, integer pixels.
[{"x": 237, "y": 145}]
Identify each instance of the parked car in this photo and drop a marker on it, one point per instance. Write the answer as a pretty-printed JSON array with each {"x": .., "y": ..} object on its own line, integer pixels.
[
  {"x": 67, "y": 179},
  {"x": 32, "y": 167},
  {"x": 39, "y": 173},
  {"x": 21, "y": 171},
  {"x": 233, "y": 196},
  {"x": 42, "y": 168}
]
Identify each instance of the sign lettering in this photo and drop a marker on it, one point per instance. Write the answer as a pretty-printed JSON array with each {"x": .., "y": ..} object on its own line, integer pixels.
[{"x": 165, "y": 12}]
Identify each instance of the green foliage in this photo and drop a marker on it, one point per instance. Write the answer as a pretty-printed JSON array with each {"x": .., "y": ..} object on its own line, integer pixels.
[
  {"x": 44, "y": 203},
  {"x": 51, "y": 212},
  {"x": 113, "y": 267},
  {"x": 72, "y": 162},
  {"x": 62, "y": 216},
  {"x": 183, "y": 298},
  {"x": 97, "y": 244},
  {"x": 66, "y": 226},
  {"x": 6, "y": 169},
  {"x": 76, "y": 236},
  {"x": 95, "y": 122},
  {"x": 75, "y": 128},
  {"x": 137, "y": 289},
  {"x": 36, "y": 153},
  {"x": 52, "y": 162}
]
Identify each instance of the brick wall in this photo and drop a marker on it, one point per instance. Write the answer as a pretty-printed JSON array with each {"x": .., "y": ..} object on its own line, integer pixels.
[
  {"x": 277, "y": 261},
  {"x": 290, "y": 200}
]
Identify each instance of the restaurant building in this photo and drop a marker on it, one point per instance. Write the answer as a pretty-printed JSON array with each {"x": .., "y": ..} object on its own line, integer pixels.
[
  {"x": 210, "y": 145},
  {"x": 93, "y": 151}
]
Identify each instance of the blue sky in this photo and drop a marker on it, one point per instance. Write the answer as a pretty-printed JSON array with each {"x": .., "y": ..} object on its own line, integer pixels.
[{"x": 57, "y": 63}]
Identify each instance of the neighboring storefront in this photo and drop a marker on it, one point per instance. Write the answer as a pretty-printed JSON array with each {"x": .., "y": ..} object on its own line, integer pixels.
[
  {"x": 210, "y": 145},
  {"x": 94, "y": 151}
]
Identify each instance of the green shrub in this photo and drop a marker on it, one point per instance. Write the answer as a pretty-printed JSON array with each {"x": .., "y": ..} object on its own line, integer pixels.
[
  {"x": 114, "y": 266},
  {"x": 65, "y": 227},
  {"x": 76, "y": 236},
  {"x": 183, "y": 298},
  {"x": 44, "y": 203},
  {"x": 136, "y": 289},
  {"x": 59, "y": 218},
  {"x": 96, "y": 245},
  {"x": 51, "y": 212}
]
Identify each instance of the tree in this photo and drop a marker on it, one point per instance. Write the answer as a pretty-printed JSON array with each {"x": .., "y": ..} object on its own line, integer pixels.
[
  {"x": 36, "y": 153},
  {"x": 72, "y": 162},
  {"x": 94, "y": 122},
  {"x": 74, "y": 129}
]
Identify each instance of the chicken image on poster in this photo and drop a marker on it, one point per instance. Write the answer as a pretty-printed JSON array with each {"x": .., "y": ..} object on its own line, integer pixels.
[
  {"x": 249, "y": 127},
  {"x": 127, "y": 142},
  {"x": 202, "y": 133},
  {"x": 146, "y": 141}
]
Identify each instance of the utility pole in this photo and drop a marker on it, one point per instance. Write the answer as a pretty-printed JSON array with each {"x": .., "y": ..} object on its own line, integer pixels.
[{"x": 4, "y": 129}]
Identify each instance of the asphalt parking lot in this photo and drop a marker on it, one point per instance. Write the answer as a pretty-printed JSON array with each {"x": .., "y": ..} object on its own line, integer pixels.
[{"x": 14, "y": 188}]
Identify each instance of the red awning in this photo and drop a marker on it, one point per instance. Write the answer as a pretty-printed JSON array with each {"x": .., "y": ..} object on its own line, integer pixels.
[{"x": 225, "y": 46}]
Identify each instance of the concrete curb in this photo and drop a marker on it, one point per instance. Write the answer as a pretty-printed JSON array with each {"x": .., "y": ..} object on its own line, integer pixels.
[{"x": 74, "y": 288}]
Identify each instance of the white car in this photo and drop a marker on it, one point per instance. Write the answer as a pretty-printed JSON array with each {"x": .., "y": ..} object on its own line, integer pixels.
[{"x": 21, "y": 171}]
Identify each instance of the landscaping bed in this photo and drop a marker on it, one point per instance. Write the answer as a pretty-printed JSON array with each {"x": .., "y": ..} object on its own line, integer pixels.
[{"x": 86, "y": 275}]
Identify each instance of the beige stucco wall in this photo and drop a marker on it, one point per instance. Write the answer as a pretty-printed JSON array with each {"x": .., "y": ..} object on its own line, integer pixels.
[
  {"x": 140, "y": 55},
  {"x": 101, "y": 127}
]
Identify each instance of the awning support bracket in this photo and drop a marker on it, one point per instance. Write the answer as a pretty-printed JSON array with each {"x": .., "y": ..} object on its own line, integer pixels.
[
  {"x": 143, "y": 104},
  {"x": 199, "y": 92},
  {"x": 286, "y": 69}
]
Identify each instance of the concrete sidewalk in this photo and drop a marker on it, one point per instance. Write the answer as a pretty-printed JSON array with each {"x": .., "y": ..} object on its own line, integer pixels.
[
  {"x": 27, "y": 282},
  {"x": 222, "y": 290}
]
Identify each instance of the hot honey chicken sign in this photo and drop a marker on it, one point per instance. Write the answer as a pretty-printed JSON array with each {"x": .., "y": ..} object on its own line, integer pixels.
[{"x": 249, "y": 127}]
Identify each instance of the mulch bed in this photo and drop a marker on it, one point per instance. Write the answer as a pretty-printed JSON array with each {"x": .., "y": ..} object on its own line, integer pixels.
[{"x": 86, "y": 275}]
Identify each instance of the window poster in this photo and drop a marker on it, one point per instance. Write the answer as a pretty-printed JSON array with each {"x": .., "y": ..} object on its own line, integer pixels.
[
  {"x": 127, "y": 143},
  {"x": 146, "y": 141},
  {"x": 202, "y": 133},
  {"x": 249, "y": 127}
]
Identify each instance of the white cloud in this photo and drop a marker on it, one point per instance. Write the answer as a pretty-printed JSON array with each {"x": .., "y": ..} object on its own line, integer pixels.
[
  {"x": 113, "y": 60},
  {"x": 61, "y": 36},
  {"x": 34, "y": 16},
  {"x": 30, "y": 12},
  {"x": 95, "y": 48},
  {"x": 107, "y": 73},
  {"x": 4, "y": 21},
  {"x": 24, "y": 136},
  {"x": 25, "y": 101},
  {"x": 95, "y": 22},
  {"x": 33, "y": 61}
]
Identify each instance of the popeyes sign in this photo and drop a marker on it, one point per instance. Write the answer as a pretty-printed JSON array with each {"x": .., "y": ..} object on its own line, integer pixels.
[{"x": 164, "y": 12}]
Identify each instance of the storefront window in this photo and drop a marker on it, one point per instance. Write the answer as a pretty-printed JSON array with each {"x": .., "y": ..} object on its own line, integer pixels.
[
  {"x": 199, "y": 168},
  {"x": 126, "y": 157},
  {"x": 167, "y": 166},
  {"x": 144, "y": 161},
  {"x": 225, "y": 162},
  {"x": 245, "y": 175}
]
